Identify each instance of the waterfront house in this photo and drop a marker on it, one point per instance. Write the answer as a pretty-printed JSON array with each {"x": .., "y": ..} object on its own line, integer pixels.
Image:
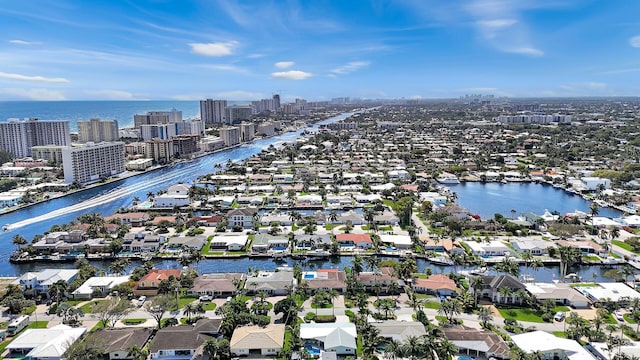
[
  {"x": 38, "y": 283},
  {"x": 490, "y": 248},
  {"x": 232, "y": 242},
  {"x": 536, "y": 247},
  {"x": 181, "y": 342},
  {"x": 585, "y": 246},
  {"x": 145, "y": 241},
  {"x": 272, "y": 283},
  {"x": 148, "y": 284},
  {"x": 551, "y": 346},
  {"x": 309, "y": 242},
  {"x": 384, "y": 278},
  {"x": 281, "y": 219},
  {"x": 310, "y": 199},
  {"x": 45, "y": 344},
  {"x": 176, "y": 195},
  {"x": 479, "y": 343},
  {"x": 339, "y": 337},
  {"x": 386, "y": 218},
  {"x": 243, "y": 217},
  {"x": 615, "y": 291},
  {"x": 133, "y": 219},
  {"x": 433, "y": 197},
  {"x": 98, "y": 286},
  {"x": 436, "y": 284},
  {"x": 185, "y": 242},
  {"x": 256, "y": 340},
  {"x": 396, "y": 241},
  {"x": 491, "y": 285},
  {"x": 118, "y": 342},
  {"x": 216, "y": 285},
  {"x": 362, "y": 241},
  {"x": 355, "y": 218},
  {"x": 393, "y": 330},
  {"x": 325, "y": 279},
  {"x": 439, "y": 245},
  {"x": 262, "y": 243},
  {"x": 560, "y": 293}
]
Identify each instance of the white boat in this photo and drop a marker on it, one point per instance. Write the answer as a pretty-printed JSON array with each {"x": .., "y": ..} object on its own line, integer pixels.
[
  {"x": 446, "y": 178},
  {"x": 318, "y": 254},
  {"x": 440, "y": 260}
]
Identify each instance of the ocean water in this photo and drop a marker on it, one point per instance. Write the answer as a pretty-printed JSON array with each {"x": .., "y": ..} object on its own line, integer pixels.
[{"x": 73, "y": 111}]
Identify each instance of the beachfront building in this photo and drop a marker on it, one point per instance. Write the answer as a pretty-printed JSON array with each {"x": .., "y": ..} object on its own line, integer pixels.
[
  {"x": 230, "y": 135},
  {"x": 92, "y": 162},
  {"x": 18, "y": 137},
  {"x": 96, "y": 130},
  {"x": 212, "y": 111},
  {"x": 157, "y": 117},
  {"x": 161, "y": 151},
  {"x": 238, "y": 113}
]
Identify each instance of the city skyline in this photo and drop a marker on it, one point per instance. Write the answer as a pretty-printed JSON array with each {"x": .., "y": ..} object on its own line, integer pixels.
[{"x": 120, "y": 50}]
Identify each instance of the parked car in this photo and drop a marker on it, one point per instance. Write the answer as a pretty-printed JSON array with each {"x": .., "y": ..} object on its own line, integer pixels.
[
  {"x": 141, "y": 300},
  {"x": 559, "y": 316},
  {"x": 618, "y": 315},
  {"x": 205, "y": 298}
]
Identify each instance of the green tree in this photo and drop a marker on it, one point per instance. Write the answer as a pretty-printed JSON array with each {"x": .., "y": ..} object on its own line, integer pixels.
[{"x": 159, "y": 305}]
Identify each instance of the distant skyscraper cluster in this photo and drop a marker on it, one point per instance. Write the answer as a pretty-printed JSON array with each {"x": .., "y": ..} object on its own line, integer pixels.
[
  {"x": 96, "y": 130},
  {"x": 18, "y": 137}
]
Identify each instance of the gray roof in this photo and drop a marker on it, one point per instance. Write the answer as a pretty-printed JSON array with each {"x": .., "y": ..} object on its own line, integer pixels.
[
  {"x": 485, "y": 341},
  {"x": 122, "y": 339},
  {"x": 178, "y": 338},
  {"x": 400, "y": 330}
]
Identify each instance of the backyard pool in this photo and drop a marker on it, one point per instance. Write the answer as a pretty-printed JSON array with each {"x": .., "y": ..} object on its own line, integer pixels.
[{"x": 312, "y": 350}]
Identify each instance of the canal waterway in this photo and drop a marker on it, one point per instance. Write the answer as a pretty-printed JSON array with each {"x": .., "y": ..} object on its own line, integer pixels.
[{"x": 487, "y": 199}]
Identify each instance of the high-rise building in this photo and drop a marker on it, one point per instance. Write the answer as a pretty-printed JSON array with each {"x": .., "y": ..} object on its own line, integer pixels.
[
  {"x": 50, "y": 153},
  {"x": 161, "y": 151},
  {"x": 185, "y": 145},
  {"x": 91, "y": 161},
  {"x": 212, "y": 111},
  {"x": 96, "y": 130},
  {"x": 267, "y": 128},
  {"x": 247, "y": 131},
  {"x": 276, "y": 102},
  {"x": 158, "y": 131},
  {"x": 157, "y": 117},
  {"x": 18, "y": 137},
  {"x": 230, "y": 135},
  {"x": 238, "y": 113}
]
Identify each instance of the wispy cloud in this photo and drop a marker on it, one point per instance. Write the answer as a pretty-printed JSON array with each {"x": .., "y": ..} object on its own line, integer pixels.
[
  {"x": 350, "y": 67},
  {"x": 255, "y": 56},
  {"x": 635, "y": 41},
  {"x": 21, "y": 77},
  {"x": 227, "y": 67},
  {"x": 284, "y": 64},
  {"x": 214, "y": 49},
  {"x": 33, "y": 94},
  {"x": 112, "y": 94},
  {"x": 525, "y": 51},
  {"x": 23, "y": 42},
  {"x": 291, "y": 75}
]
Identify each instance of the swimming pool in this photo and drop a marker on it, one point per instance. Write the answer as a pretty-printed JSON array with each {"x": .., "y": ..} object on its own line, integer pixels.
[
  {"x": 309, "y": 276},
  {"x": 312, "y": 350}
]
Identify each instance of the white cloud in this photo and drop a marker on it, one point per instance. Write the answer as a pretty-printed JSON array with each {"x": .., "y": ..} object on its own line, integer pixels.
[
  {"x": 111, "y": 94},
  {"x": 21, "y": 77},
  {"x": 227, "y": 67},
  {"x": 255, "y": 56},
  {"x": 350, "y": 67},
  {"x": 33, "y": 94},
  {"x": 214, "y": 49},
  {"x": 284, "y": 64},
  {"x": 496, "y": 23},
  {"x": 525, "y": 50},
  {"x": 635, "y": 41},
  {"x": 22, "y": 42},
  {"x": 291, "y": 75},
  {"x": 239, "y": 95}
]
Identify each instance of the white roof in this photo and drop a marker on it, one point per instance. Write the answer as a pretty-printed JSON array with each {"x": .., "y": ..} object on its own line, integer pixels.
[
  {"x": 633, "y": 349},
  {"x": 604, "y": 221},
  {"x": 47, "y": 343},
  {"x": 231, "y": 239},
  {"x": 631, "y": 220},
  {"x": 100, "y": 281},
  {"x": 396, "y": 239},
  {"x": 49, "y": 276},
  {"x": 484, "y": 246},
  {"x": 614, "y": 291},
  {"x": 548, "y": 343}
]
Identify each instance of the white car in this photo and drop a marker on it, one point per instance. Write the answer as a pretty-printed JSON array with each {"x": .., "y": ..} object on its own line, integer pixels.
[
  {"x": 559, "y": 316},
  {"x": 141, "y": 300},
  {"x": 618, "y": 315},
  {"x": 205, "y": 298}
]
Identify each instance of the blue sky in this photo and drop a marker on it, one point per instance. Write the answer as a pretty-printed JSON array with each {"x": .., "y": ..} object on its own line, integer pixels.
[{"x": 245, "y": 50}]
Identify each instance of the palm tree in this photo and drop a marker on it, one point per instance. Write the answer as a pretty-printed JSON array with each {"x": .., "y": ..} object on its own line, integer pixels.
[
  {"x": 57, "y": 290},
  {"x": 211, "y": 347},
  {"x": 19, "y": 240},
  {"x": 150, "y": 195},
  {"x": 394, "y": 350},
  {"x": 137, "y": 353},
  {"x": 568, "y": 257},
  {"x": 356, "y": 264},
  {"x": 505, "y": 293},
  {"x": 485, "y": 315},
  {"x": 476, "y": 284},
  {"x": 594, "y": 210}
]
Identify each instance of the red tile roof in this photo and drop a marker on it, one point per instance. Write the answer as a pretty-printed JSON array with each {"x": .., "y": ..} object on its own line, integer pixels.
[{"x": 355, "y": 238}]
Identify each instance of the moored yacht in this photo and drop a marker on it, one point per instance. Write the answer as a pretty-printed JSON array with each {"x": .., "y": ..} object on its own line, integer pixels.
[{"x": 447, "y": 178}]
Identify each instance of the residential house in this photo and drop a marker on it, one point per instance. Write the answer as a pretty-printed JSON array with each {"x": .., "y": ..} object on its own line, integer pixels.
[
  {"x": 325, "y": 279},
  {"x": 216, "y": 285},
  {"x": 491, "y": 285},
  {"x": 361, "y": 241},
  {"x": 119, "y": 341},
  {"x": 273, "y": 283},
  {"x": 383, "y": 278},
  {"x": 436, "y": 284},
  {"x": 615, "y": 291},
  {"x": 488, "y": 248},
  {"x": 148, "y": 284},
  {"x": 355, "y": 218},
  {"x": 331, "y": 337},
  {"x": 561, "y": 294},
  {"x": 479, "y": 343},
  {"x": 44, "y": 344},
  {"x": 98, "y": 286},
  {"x": 144, "y": 241},
  {"x": 38, "y": 283},
  {"x": 282, "y": 219},
  {"x": 185, "y": 242},
  {"x": 256, "y": 340},
  {"x": 551, "y": 346},
  {"x": 242, "y": 217},
  {"x": 181, "y": 342},
  {"x": 438, "y": 245},
  {"x": 309, "y": 242},
  {"x": 585, "y": 246},
  {"x": 176, "y": 195},
  {"x": 265, "y": 242},
  {"x": 209, "y": 221},
  {"x": 386, "y": 218},
  {"x": 392, "y": 330},
  {"x": 536, "y": 247},
  {"x": 396, "y": 241},
  {"x": 133, "y": 219},
  {"x": 229, "y": 242}
]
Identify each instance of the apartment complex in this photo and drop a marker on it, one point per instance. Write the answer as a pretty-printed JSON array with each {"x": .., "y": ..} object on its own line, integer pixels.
[
  {"x": 534, "y": 119},
  {"x": 230, "y": 135},
  {"x": 157, "y": 117},
  {"x": 92, "y": 161},
  {"x": 96, "y": 130},
  {"x": 18, "y": 137},
  {"x": 238, "y": 113},
  {"x": 49, "y": 153},
  {"x": 247, "y": 131},
  {"x": 161, "y": 151},
  {"x": 212, "y": 111}
]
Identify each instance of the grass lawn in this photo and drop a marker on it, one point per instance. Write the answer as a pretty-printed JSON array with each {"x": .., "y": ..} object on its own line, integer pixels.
[
  {"x": 424, "y": 296},
  {"x": 184, "y": 300},
  {"x": 628, "y": 319},
  {"x": 591, "y": 258},
  {"x": 359, "y": 346},
  {"x": 237, "y": 252},
  {"x": 134, "y": 321},
  {"x": 431, "y": 305},
  {"x": 206, "y": 247},
  {"x": 323, "y": 306},
  {"x": 623, "y": 245},
  {"x": 561, "y": 308},
  {"x": 584, "y": 285},
  {"x": 331, "y": 226},
  {"x": 609, "y": 319},
  {"x": 520, "y": 314},
  {"x": 209, "y": 305},
  {"x": 88, "y": 307},
  {"x": 97, "y": 327},
  {"x": 74, "y": 302},
  {"x": 560, "y": 334},
  {"x": 29, "y": 310},
  {"x": 38, "y": 325},
  {"x": 4, "y": 344}
]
